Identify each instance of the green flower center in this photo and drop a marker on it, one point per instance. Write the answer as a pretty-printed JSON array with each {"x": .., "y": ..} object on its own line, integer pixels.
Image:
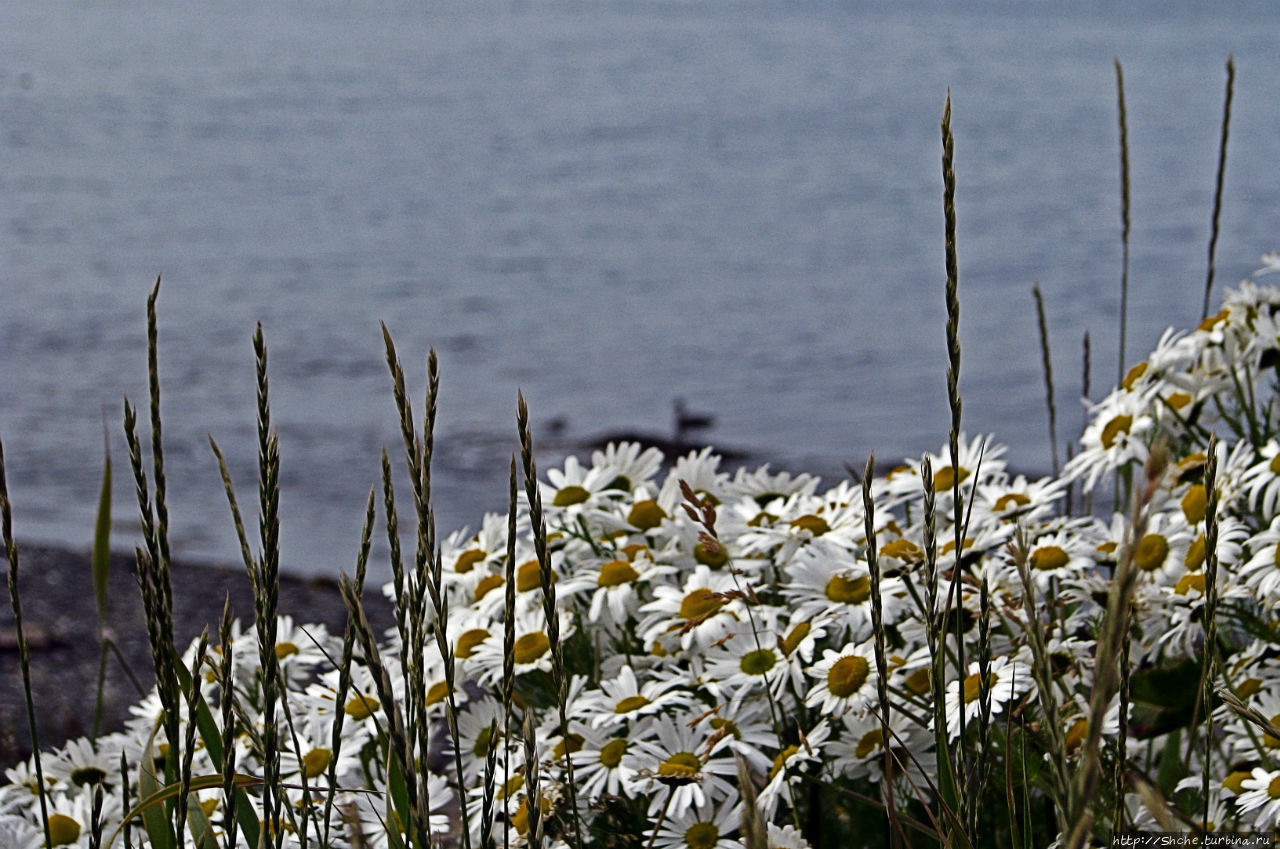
[
  {"x": 797, "y": 635},
  {"x": 701, "y": 835},
  {"x": 611, "y": 754},
  {"x": 570, "y": 495},
  {"x": 758, "y": 662},
  {"x": 630, "y": 703},
  {"x": 847, "y": 675},
  {"x": 680, "y": 768},
  {"x": 714, "y": 555}
]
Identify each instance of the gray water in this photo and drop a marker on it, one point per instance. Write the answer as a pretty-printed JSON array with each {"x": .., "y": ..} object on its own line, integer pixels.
[{"x": 605, "y": 205}]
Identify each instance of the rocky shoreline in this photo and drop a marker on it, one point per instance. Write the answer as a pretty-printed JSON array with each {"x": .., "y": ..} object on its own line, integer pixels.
[{"x": 61, "y": 625}]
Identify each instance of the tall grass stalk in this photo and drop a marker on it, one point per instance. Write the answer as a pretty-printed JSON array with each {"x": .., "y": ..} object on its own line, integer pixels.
[
  {"x": 1047, "y": 362},
  {"x": 1208, "y": 673},
  {"x": 881, "y": 639},
  {"x": 559, "y": 681},
  {"x": 1124, "y": 218},
  {"x": 24, "y": 651},
  {"x": 509, "y": 644},
  {"x": 1219, "y": 180},
  {"x": 1115, "y": 624}
]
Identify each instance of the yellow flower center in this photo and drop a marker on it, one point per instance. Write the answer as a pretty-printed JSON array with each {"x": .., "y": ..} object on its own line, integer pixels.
[
  {"x": 780, "y": 759},
  {"x": 700, "y": 603},
  {"x": 63, "y": 830},
  {"x": 1274, "y": 465},
  {"x": 1049, "y": 557},
  {"x": 361, "y": 707},
  {"x": 797, "y": 635},
  {"x": 1195, "y": 554},
  {"x": 1194, "y": 503},
  {"x": 1178, "y": 400},
  {"x": 973, "y": 685},
  {"x": 946, "y": 478},
  {"x": 646, "y": 515},
  {"x": 901, "y": 549},
  {"x": 615, "y": 573},
  {"x": 436, "y": 692},
  {"x": 570, "y": 495},
  {"x": 484, "y": 742},
  {"x": 1150, "y": 552},
  {"x": 1235, "y": 782},
  {"x": 567, "y": 745},
  {"x": 849, "y": 590},
  {"x": 1011, "y": 501},
  {"x": 1114, "y": 428},
  {"x": 630, "y": 703},
  {"x": 1248, "y": 687},
  {"x": 315, "y": 762},
  {"x": 701, "y": 835},
  {"x": 1076, "y": 734},
  {"x": 918, "y": 682},
  {"x": 1273, "y": 788},
  {"x": 761, "y": 520},
  {"x": 681, "y": 768},
  {"x": 529, "y": 576},
  {"x": 469, "y": 640},
  {"x": 530, "y": 647},
  {"x": 284, "y": 649},
  {"x": 1135, "y": 374},
  {"x": 467, "y": 560},
  {"x": 1268, "y": 740},
  {"x": 1213, "y": 320},
  {"x": 487, "y": 583},
  {"x": 758, "y": 662},
  {"x": 847, "y": 675},
  {"x": 1189, "y": 582},
  {"x": 634, "y": 550},
  {"x": 730, "y": 727},
  {"x": 868, "y": 743},
  {"x": 513, "y": 786},
  {"x": 611, "y": 753},
  {"x": 814, "y": 524}
]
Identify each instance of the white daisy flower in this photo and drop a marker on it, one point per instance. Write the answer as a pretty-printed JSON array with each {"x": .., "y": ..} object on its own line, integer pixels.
[
  {"x": 701, "y": 827},
  {"x": 1261, "y": 795},
  {"x": 1006, "y": 680},
  {"x": 847, "y": 680},
  {"x": 623, "y": 699}
]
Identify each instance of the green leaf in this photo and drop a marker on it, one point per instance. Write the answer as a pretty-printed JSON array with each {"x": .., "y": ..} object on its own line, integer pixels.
[
  {"x": 154, "y": 818},
  {"x": 152, "y": 804},
  {"x": 1172, "y": 768},
  {"x": 198, "y": 822},
  {"x": 102, "y": 538},
  {"x": 246, "y": 815}
]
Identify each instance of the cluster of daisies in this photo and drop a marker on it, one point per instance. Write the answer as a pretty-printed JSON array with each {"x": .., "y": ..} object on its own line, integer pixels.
[{"x": 738, "y": 640}]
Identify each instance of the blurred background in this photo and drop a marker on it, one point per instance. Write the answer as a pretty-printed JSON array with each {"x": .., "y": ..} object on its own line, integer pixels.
[{"x": 608, "y": 205}]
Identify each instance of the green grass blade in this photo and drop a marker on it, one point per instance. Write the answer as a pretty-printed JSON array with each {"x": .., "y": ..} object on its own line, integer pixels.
[
  {"x": 155, "y": 796},
  {"x": 152, "y": 811}
]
